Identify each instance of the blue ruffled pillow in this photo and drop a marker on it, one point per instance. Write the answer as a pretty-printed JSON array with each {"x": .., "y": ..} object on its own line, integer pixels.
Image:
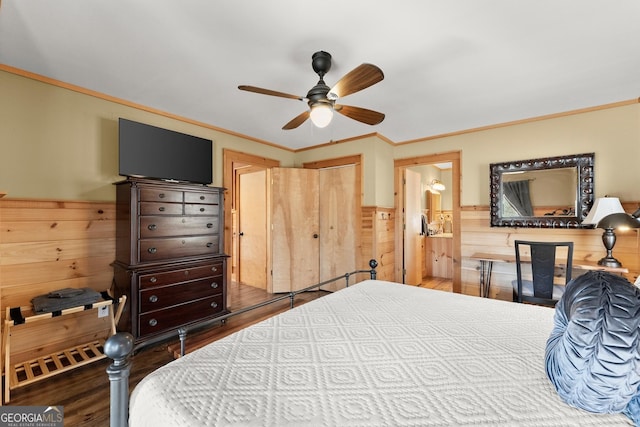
[{"x": 593, "y": 353}]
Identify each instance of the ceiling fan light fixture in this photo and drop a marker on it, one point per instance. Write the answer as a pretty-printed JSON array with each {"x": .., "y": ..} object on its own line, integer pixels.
[
  {"x": 321, "y": 114},
  {"x": 321, "y": 98}
]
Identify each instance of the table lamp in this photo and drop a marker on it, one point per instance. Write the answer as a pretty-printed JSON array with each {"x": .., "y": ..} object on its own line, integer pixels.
[{"x": 607, "y": 213}]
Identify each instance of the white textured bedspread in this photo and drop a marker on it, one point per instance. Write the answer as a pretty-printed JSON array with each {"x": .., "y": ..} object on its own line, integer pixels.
[{"x": 374, "y": 354}]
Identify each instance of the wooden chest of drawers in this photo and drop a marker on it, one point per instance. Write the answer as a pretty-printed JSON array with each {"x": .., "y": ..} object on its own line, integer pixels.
[
  {"x": 158, "y": 222},
  {"x": 169, "y": 256}
]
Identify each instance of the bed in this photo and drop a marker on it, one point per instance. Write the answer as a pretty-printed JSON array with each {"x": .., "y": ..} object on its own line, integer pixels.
[{"x": 374, "y": 354}]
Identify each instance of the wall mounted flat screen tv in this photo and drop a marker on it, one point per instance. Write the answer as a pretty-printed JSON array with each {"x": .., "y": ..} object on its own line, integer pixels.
[{"x": 152, "y": 152}]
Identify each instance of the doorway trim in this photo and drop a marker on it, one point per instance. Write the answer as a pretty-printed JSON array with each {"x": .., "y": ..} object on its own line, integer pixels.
[
  {"x": 399, "y": 167},
  {"x": 233, "y": 161}
]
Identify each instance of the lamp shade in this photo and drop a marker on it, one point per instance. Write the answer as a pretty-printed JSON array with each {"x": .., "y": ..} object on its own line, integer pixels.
[
  {"x": 602, "y": 207},
  {"x": 618, "y": 221}
]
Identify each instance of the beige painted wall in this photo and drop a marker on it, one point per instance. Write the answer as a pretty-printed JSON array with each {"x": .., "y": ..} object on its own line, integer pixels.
[
  {"x": 377, "y": 156},
  {"x": 612, "y": 134},
  {"x": 61, "y": 144}
]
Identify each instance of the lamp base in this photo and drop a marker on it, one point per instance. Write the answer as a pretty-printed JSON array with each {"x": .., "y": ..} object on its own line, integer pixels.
[{"x": 610, "y": 261}]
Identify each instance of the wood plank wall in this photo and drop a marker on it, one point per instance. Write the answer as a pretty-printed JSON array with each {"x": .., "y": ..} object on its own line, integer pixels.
[
  {"x": 478, "y": 236},
  {"x": 47, "y": 245},
  {"x": 378, "y": 240}
]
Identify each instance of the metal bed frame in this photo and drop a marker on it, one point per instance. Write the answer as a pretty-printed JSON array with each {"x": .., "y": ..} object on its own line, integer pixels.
[{"x": 119, "y": 348}]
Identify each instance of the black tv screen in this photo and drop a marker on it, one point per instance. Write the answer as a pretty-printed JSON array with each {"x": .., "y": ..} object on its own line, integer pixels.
[{"x": 152, "y": 152}]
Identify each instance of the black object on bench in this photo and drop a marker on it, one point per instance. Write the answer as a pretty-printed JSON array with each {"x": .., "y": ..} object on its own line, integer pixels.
[{"x": 64, "y": 298}]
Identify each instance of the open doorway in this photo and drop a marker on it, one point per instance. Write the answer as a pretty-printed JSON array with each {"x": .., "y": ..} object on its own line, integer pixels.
[
  {"x": 420, "y": 214},
  {"x": 245, "y": 181}
]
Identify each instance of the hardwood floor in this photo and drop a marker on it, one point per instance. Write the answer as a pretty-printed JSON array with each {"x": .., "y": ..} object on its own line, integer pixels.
[
  {"x": 84, "y": 392},
  {"x": 437, "y": 283}
]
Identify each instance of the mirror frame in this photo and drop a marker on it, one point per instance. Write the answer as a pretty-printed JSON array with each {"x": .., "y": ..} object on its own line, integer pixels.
[{"x": 584, "y": 191}]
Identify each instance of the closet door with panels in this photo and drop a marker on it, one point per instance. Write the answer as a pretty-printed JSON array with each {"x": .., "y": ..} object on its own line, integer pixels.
[
  {"x": 295, "y": 230},
  {"x": 313, "y": 226},
  {"x": 338, "y": 225}
]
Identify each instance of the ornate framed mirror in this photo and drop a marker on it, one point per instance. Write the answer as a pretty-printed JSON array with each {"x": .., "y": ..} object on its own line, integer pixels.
[{"x": 551, "y": 192}]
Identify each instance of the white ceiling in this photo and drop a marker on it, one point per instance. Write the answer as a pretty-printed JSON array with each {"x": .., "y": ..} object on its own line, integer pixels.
[{"x": 449, "y": 65}]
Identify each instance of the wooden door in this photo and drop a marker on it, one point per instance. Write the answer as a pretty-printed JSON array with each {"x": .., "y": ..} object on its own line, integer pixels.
[
  {"x": 295, "y": 229},
  {"x": 252, "y": 229},
  {"x": 338, "y": 225},
  {"x": 412, "y": 229}
]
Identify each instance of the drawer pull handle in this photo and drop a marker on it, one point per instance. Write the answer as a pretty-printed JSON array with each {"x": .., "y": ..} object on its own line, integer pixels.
[
  {"x": 153, "y": 322},
  {"x": 209, "y": 225},
  {"x": 153, "y": 298},
  {"x": 214, "y": 269},
  {"x": 161, "y": 208},
  {"x": 153, "y": 279},
  {"x": 152, "y": 227},
  {"x": 201, "y": 209},
  {"x": 201, "y": 197},
  {"x": 214, "y": 305},
  {"x": 214, "y": 285},
  {"x": 209, "y": 244},
  {"x": 152, "y": 250},
  {"x": 161, "y": 195}
]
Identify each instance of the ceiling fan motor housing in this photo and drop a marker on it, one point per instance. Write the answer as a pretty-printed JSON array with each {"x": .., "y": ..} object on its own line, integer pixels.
[
  {"x": 321, "y": 63},
  {"x": 318, "y": 93}
]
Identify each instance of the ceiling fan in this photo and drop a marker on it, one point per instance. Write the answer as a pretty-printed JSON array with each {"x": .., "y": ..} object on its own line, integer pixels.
[{"x": 322, "y": 99}]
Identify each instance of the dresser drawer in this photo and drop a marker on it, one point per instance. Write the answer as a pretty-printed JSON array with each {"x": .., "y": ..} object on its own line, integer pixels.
[
  {"x": 197, "y": 197},
  {"x": 167, "y": 226},
  {"x": 160, "y": 208},
  {"x": 179, "y": 293},
  {"x": 159, "y": 279},
  {"x": 176, "y": 316},
  {"x": 160, "y": 195},
  {"x": 201, "y": 209},
  {"x": 161, "y": 249}
]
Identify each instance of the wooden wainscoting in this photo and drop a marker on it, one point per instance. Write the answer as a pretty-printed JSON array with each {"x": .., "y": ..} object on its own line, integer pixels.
[
  {"x": 47, "y": 245},
  {"x": 478, "y": 236},
  {"x": 378, "y": 237}
]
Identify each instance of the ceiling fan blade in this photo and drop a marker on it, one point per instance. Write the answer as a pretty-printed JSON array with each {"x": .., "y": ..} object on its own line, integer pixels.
[
  {"x": 269, "y": 92},
  {"x": 363, "y": 115},
  {"x": 355, "y": 80},
  {"x": 297, "y": 121}
]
